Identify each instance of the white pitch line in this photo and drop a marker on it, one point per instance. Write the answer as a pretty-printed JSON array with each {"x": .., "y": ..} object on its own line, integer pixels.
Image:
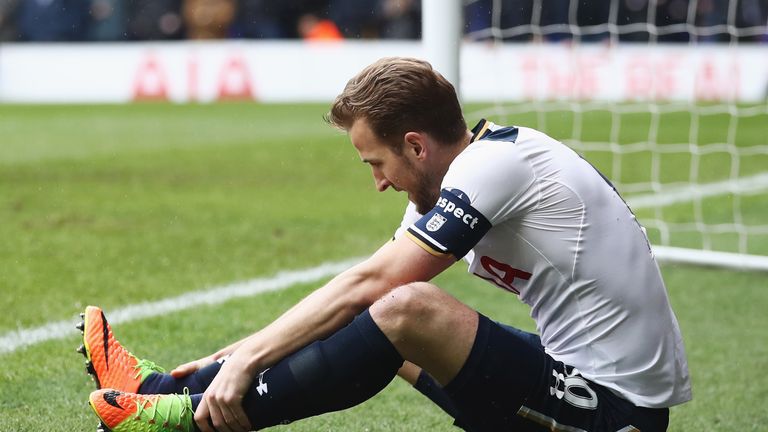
[{"x": 24, "y": 337}]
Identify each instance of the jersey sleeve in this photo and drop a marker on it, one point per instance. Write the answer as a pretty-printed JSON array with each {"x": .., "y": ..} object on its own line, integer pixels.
[
  {"x": 487, "y": 184},
  {"x": 409, "y": 217},
  {"x": 496, "y": 178}
]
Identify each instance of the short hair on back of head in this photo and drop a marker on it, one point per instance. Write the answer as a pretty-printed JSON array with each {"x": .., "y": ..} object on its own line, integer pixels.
[{"x": 397, "y": 95}]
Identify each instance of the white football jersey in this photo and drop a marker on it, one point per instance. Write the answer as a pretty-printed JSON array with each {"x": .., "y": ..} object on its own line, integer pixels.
[{"x": 532, "y": 217}]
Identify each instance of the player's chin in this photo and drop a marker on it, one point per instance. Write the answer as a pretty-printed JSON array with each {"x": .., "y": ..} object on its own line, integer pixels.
[{"x": 422, "y": 208}]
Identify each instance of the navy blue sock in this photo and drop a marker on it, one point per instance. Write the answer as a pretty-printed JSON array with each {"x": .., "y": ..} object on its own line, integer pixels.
[
  {"x": 344, "y": 370},
  {"x": 434, "y": 391},
  {"x": 197, "y": 382},
  {"x": 196, "y": 398}
]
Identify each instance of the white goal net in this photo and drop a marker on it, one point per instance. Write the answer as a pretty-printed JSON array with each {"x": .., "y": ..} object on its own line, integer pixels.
[{"x": 668, "y": 98}]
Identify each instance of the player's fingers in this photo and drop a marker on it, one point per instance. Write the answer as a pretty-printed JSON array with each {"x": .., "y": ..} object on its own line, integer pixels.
[
  {"x": 185, "y": 369},
  {"x": 202, "y": 417},
  {"x": 236, "y": 417},
  {"x": 217, "y": 417},
  {"x": 193, "y": 366},
  {"x": 230, "y": 420},
  {"x": 244, "y": 421},
  {"x": 230, "y": 407}
]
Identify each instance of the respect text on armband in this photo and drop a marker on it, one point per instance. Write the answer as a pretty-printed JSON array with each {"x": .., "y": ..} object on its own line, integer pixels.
[
  {"x": 453, "y": 226},
  {"x": 449, "y": 207}
]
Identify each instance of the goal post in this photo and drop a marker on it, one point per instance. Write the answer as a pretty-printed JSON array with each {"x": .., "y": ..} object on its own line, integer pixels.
[
  {"x": 668, "y": 99},
  {"x": 441, "y": 35}
]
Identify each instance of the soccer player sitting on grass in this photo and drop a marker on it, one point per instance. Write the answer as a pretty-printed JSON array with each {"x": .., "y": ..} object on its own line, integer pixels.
[{"x": 525, "y": 212}]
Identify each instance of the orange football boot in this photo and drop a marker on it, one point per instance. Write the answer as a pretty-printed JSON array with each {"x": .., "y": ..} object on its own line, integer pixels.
[
  {"x": 130, "y": 412},
  {"x": 109, "y": 364}
]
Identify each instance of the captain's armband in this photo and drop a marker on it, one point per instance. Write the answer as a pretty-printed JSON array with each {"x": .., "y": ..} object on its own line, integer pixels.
[{"x": 452, "y": 227}]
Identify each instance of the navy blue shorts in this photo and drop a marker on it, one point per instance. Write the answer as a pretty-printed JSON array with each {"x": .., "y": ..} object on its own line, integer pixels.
[{"x": 510, "y": 384}]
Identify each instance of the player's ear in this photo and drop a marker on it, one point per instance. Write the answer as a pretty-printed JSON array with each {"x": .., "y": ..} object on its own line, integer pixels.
[{"x": 415, "y": 143}]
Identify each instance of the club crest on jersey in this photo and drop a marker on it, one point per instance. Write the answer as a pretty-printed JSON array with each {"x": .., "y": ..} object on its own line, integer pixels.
[{"x": 436, "y": 222}]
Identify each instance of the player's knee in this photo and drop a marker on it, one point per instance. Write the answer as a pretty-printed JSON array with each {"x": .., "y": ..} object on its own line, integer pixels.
[{"x": 405, "y": 307}]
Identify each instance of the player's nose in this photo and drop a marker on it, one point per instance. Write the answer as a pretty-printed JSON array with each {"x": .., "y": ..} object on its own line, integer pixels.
[{"x": 382, "y": 183}]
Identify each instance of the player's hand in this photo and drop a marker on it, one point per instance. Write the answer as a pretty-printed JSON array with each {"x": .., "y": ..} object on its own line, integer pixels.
[
  {"x": 222, "y": 404},
  {"x": 187, "y": 368}
]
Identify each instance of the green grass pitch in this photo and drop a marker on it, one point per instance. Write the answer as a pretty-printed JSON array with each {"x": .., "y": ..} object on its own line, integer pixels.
[{"x": 115, "y": 205}]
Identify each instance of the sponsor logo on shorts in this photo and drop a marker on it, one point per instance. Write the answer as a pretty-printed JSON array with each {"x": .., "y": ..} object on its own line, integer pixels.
[{"x": 574, "y": 389}]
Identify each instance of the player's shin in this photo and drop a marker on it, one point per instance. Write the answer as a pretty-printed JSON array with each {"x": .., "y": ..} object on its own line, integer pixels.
[
  {"x": 196, "y": 382},
  {"x": 344, "y": 370}
]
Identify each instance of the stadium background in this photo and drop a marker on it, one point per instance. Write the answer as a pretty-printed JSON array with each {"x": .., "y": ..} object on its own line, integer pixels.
[{"x": 163, "y": 207}]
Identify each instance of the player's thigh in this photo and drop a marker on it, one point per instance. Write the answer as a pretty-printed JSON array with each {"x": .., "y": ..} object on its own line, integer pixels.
[
  {"x": 510, "y": 383},
  {"x": 504, "y": 367},
  {"x": 568, "y": 401}
]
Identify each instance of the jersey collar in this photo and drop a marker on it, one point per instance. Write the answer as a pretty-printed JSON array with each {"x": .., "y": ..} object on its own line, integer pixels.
[{"x": 480, "y": 130}]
